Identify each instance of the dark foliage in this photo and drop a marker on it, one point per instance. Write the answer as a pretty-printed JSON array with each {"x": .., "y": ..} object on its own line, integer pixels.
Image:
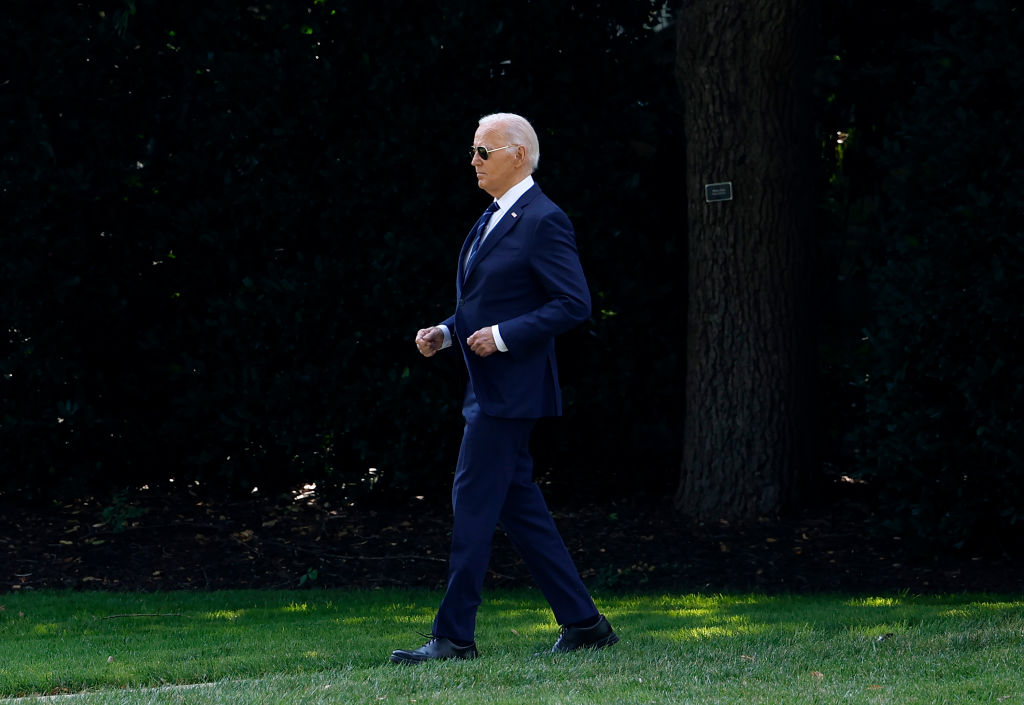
[
  {"x": 930, "y": 198},
  {"x": 224, "y": 223}
]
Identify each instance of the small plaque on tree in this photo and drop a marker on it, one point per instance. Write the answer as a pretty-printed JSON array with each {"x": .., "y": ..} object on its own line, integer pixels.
[{"x": 718, "y": 192}]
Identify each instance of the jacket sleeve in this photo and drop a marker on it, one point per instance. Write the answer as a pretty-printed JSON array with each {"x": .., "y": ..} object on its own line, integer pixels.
[{"x": 555, "y": 264}]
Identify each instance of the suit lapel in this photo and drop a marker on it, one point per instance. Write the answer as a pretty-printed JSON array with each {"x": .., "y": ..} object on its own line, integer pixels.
[
  {"x": 504, "y": 226},
  {"x": 461, "y": 269}
]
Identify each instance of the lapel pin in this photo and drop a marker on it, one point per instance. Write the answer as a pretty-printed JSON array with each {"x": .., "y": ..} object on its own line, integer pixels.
[{"x": 514, "y": 214}]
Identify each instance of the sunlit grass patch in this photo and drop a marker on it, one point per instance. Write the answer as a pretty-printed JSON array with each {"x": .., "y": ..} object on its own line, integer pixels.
[{"x": 332, "y": 647}]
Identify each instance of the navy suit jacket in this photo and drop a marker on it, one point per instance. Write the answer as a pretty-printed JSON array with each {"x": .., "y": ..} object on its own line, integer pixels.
[{"x": 526, "y": 278}]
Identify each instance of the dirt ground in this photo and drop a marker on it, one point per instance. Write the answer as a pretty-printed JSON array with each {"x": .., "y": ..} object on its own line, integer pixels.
[{"x": 184, "y": 541}]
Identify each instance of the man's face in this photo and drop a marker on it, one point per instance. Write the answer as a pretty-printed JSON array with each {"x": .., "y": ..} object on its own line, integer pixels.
[{"x": 502, "y": 169}]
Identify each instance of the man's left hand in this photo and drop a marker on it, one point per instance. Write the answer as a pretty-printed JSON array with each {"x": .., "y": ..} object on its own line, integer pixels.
[{"x": 482, "y": 342}]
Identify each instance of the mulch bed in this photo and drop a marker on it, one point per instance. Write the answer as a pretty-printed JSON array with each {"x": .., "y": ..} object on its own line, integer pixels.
[{"x": 182, "y": 540}]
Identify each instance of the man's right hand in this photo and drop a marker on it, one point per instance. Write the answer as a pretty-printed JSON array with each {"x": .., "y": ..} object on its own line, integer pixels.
[{"x": 429, "y": 340}]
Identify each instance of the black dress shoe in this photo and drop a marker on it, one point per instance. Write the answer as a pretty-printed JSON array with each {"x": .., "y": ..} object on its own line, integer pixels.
[
  {"x": 595, "y": 637},
  {"x": 437, "y": 649}
]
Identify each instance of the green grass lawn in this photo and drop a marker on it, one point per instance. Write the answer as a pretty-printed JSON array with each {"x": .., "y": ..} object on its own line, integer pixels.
[{"x": 332, "y": 647}]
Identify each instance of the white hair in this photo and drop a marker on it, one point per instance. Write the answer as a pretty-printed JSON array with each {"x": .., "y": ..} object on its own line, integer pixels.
[{"x": 518, "y": 130}]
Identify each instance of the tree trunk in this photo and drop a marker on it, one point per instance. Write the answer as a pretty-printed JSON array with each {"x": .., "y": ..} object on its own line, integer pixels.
[{"x": 748, "y": 436}]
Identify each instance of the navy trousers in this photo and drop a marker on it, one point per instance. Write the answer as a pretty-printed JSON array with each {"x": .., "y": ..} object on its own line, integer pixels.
[{"x": 494, "y": 487}]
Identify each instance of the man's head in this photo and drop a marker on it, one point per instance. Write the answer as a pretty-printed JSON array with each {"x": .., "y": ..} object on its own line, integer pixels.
[{"x": 512, "y": 152}]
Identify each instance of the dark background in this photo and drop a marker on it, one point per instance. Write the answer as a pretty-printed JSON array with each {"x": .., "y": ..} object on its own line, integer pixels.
[{"x": 222, "y": 224}]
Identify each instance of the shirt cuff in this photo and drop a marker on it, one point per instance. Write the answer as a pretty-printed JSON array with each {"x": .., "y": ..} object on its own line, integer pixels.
[
  {"x": 447, "y": 336},
  {"x": 497, "y": 339}
]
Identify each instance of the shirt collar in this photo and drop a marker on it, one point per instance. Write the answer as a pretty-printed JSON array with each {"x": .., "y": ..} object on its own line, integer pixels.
[{"x": 509, "y": 198}]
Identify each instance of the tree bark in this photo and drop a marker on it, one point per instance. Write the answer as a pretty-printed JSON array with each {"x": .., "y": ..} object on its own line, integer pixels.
[{"x": 743, "y": 69}]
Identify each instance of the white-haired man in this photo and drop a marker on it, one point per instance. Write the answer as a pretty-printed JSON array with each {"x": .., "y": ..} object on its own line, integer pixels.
[{"x": 519, "y": 284}]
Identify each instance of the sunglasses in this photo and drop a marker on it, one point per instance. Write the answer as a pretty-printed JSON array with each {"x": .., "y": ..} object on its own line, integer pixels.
[{"x": 484, "y": 152}]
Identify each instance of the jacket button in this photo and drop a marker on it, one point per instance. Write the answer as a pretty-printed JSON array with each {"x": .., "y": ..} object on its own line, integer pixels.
[{"x": 460, "y": 302}]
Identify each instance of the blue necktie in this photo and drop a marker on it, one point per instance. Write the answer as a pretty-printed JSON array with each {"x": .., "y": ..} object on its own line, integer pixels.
[{"x": 481, "y": 226}]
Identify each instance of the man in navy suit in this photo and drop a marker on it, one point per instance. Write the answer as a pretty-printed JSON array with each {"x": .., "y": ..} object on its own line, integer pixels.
[{"x": 519, "y": 284}]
